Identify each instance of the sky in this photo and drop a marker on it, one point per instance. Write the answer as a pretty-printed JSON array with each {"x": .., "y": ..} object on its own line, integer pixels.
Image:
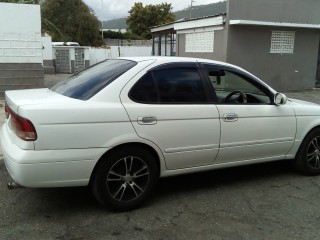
[{"x": 110, "y": 9}]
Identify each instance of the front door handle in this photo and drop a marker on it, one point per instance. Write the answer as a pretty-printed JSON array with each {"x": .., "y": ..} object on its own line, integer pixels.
[
  {"x": 151, "y": 120},
  {"x": 230, "y": 117}
]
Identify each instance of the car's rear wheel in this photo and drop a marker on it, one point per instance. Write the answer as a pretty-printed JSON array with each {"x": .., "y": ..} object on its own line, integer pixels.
[
  {"x": 308, "y": 157},
  {"x": 124, "y": 178}
]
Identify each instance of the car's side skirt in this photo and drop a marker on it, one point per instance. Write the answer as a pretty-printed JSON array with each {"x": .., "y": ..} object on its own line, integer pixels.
[{"x": 169, "y": 173}]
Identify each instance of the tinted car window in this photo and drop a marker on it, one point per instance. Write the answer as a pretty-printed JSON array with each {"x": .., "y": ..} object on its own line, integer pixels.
[
  {"x": 225, "y": 82},
  {"x": 90, "y": 81},
  {"x": 145, "y": 90},
  {"x": 174, "y": 85}
]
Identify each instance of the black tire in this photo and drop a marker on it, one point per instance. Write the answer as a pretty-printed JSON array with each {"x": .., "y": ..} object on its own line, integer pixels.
[
  {"x": 308, "y": 158},
  {"x": 124, "y": 178}
]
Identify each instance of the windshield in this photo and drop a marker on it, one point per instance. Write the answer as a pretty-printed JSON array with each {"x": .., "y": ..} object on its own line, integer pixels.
[{"x": 90, "y": 81}]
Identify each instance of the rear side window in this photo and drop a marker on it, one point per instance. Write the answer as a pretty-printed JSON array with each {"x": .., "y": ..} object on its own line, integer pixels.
[
  {"x": 171, "y": 86},
  {"x": 90, "y": 81}
]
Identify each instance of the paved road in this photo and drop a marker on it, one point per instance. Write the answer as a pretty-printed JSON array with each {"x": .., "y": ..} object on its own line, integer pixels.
[{"x": 266, "y": 201}]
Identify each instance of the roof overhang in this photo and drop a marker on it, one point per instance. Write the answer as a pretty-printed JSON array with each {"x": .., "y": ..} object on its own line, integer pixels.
[
  {"x": 163, "y": 28},
  {"x": 274, "y": 24},
  {"x": 192, "y": 23},
  {"x": 200, "y": 23}
]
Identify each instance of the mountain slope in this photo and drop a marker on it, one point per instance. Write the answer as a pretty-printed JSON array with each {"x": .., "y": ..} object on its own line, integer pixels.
[
  {"x": 197, "y": 11},
  {"x": 202, "y": 10}
]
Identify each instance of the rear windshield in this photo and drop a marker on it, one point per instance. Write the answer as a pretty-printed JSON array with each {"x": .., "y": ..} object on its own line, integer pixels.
[{"x": 90, "y": 81}]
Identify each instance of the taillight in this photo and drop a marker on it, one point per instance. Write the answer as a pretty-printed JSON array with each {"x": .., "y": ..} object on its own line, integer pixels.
[{"x": 22, "y": 127}]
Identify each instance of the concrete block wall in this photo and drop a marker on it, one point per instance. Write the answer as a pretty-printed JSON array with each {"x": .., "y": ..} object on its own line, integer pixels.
[
  {"x": 20, "y": 76},
  {"x": 20, "y": 47},
  {"x": 21, "y": 60},
  {"x": 47, "y": 55}
]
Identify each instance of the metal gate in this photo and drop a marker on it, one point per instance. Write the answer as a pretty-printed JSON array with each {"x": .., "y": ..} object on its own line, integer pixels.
[
  {"x": 79, "y": 63},
  {"x": 63, "y": 61}
]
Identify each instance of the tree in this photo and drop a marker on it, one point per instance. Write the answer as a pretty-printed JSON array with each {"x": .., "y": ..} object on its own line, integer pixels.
[
  {"x": 22, "y": 1},
  {"x": 142, "y": 18},
  {"x": 70, "y": 20}
]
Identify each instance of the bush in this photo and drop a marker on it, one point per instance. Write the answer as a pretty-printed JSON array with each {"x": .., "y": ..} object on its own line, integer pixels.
[
  {"x": 132, "y": 36},
  {"x": 119, "y": 35},
  {"x": 113, "y": 35}
]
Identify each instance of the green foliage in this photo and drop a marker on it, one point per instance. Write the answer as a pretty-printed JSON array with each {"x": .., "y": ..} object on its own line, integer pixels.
[
  {"x": 70, "y": 20},
  {"x": 132, "y": 36},
  {"x": 22, "y": 1},
  {"x": 142, "y": 18},
  {"x": 119, "y": 35},
  {"x": 113, "y": 35}
]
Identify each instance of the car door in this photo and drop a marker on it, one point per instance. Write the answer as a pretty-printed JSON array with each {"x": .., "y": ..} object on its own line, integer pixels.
[
  {"x": 251, "y": 130},
  {"x": 168, "y": 106}
]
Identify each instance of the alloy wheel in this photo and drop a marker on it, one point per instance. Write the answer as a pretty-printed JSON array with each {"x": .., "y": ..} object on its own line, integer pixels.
[
  {"x": 313, "y": 153},
  {"x": 127, "y": 179}
]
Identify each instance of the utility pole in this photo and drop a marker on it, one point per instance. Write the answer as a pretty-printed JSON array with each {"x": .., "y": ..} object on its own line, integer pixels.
[
  {"x": 102, "y": 20},
  {"x": 192, "y": 1}
]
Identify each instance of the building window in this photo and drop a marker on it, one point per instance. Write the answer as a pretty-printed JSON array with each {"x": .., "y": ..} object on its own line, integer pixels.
[
  {"x": 282, "y": 42},
  {"x": 164, "y": 44},
  {"x": 199, "y": 42}
]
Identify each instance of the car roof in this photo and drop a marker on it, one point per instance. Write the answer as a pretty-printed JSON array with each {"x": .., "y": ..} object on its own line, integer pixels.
[
  {"x": 159, "y": 58},
  {"x": 168, "y": 59}
]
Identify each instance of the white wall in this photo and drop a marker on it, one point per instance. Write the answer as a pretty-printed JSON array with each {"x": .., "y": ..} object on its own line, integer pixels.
[
  {"x": 100, "y": 54},
  {"x": 20, "y": 33},
  {"x": 47, "y": 48},
  {"x": 131, "y": 51}
]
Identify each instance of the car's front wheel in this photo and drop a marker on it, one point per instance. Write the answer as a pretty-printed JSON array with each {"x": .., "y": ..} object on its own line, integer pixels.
[
  {"x": 125, "y": 178},
  {"x": 308, "y": 157}
]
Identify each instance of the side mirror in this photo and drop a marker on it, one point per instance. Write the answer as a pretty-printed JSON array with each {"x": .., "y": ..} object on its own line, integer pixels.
[{"x": 280, "y": 99}]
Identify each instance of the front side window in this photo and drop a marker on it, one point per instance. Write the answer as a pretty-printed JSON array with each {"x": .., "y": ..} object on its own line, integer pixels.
[
  {"x": 90, "y": 81},
  {"x": 232, "y": 88},
  {"x": 169, "y": 86}
]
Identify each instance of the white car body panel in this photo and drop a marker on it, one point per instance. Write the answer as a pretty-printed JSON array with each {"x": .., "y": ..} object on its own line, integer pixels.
[
  {"x": 74, "y": 134},
  {"x": 70, "y": 122},
  {"x": 14, "y": 99},
  {"x": 260, "y": 131},
  {"x": 197, "y": 131},
  {"x": 197, "y": 128},
  {"x": 48, "y": 168},
  {"x": 308, "y": 117}
]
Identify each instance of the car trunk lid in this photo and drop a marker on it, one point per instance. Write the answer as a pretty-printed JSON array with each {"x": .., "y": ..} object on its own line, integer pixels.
[{"x": 16, "y": 98}]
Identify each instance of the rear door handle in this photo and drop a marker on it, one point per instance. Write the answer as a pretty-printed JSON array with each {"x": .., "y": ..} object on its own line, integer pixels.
[
  {"x": 230, "y": 117},
  {"x": 147, "y": 120}
]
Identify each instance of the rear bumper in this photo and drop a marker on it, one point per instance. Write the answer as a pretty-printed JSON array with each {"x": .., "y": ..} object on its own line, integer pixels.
[{"x": 48, "y": 168}]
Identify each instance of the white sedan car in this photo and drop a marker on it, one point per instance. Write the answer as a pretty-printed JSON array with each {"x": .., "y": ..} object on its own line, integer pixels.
[{"x": 120, "y": 125}]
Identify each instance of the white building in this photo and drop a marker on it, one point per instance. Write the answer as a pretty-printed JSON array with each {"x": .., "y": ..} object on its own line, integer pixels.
[{"x": 21, "y": 61}]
